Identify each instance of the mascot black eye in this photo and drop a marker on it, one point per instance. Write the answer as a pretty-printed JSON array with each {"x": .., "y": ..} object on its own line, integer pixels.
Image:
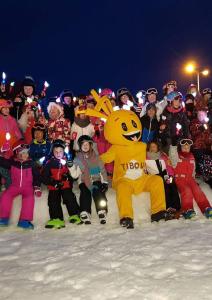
[
  {"x": 124, "y": 126},
  {"x": 134, "y": 124}
]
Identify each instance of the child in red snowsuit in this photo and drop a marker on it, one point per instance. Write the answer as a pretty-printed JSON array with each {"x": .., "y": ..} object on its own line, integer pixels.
[
  {"x": 184, "y": 167},
  {"x": 59, "y": 182},
  {"x": 25, "y": 182}
]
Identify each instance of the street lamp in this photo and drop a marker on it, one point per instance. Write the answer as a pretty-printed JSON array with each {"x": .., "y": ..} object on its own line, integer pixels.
[{"x": 192, "y": 68}]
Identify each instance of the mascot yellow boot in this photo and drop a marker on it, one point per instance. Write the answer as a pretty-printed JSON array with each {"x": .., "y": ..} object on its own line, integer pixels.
[{"x": 123, "y": 130}]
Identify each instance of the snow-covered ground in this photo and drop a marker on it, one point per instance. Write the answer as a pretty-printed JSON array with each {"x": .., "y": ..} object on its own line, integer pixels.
[{"x": 164, "y": 261}]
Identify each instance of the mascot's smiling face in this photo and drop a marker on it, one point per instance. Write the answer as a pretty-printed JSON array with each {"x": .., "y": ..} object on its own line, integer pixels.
[{"x": 123, "y": 127}]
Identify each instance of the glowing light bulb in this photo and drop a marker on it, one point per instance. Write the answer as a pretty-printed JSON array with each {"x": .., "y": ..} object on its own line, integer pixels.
[
  {"x": 178, "y": 126},
  {"x": 205, "y": 72},
  {"x": 29, "y": 100},
  {"x": 8, "y": 136},
  {"x": 41, "y": 160},
  {"x": 103, "y": 203},
  {"x": 66, "y": 150},
  {"x": 46, "y": 84},
  {"x": 4, "y": 76}
]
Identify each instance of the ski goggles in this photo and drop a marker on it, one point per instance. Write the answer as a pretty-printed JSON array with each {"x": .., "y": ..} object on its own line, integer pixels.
[
  {"x": 178, "y": 97},
  {"x": 170, "y": 83},
  {"x": 21, "y": 148},
  {"x": 39, "y": 127},
  {"x": 151, "y": 91},
  {"x": 186, "y": 142},
  {"x": 206, "y": 91},
  {"x": 122, "y": 91}
]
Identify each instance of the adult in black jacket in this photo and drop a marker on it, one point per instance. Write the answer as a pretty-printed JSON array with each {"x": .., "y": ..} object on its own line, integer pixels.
[{"x": 66, "y": 98}]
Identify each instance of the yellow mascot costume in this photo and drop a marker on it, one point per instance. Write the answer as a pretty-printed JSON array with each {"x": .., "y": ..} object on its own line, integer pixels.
[{"x": 123, "y": 130}]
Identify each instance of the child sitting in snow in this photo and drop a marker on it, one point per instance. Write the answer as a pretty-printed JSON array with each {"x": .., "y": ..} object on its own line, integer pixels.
[
  {"x": 92, "y": 180},
  {"x": 158, "y": 163},
  {"x": 25, "y": 182},
  {"x": 184, "y": 168},
  {"x": 56, "y": 176}
]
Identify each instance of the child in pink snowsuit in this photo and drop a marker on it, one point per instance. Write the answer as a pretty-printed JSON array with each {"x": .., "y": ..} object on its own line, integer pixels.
[
  {"x": 184, "y": 168},
  {"x": 25, "y": 182}
]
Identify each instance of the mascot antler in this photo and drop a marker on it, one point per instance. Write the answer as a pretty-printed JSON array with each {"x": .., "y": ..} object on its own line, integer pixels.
[{"x": 102, "y": 104}]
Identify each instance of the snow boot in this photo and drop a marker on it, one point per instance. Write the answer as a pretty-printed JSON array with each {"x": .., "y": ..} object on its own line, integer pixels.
[
  {"x": 4, "y": 222},
  {"x": 75, "y": 219},
  {"x": 161, "y": 215},
  {"x": 208, "y": 213},
  {"x": 165, "y": 215},
  {"x": 85, "y": 217},
  {"x": 55, "y": 223},
  {"x": 25, "y": 224},
  {"x": 189, "y": 214},
  {"x": 127, "y": 222},
  {"x": 102, "y": 216},
  {"x": 171, "y": 214}
]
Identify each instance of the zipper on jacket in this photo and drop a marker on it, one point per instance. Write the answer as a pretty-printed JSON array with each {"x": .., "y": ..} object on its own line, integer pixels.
[
  {"x": 21, "y": 176},
  {"x": 150, "y": 126}
]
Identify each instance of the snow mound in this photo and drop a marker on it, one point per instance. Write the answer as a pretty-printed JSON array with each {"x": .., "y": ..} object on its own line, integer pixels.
[{"x": 160, "y": 261}]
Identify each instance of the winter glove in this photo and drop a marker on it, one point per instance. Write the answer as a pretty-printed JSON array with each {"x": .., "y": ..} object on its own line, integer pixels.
[
  {"x": 104, "y": 187},
  {"x": 37, "y": 191},
  {"x": 58, "y": 184},
  {"x": 69, "y": 163},
  {"x": 66, "y": 176}
]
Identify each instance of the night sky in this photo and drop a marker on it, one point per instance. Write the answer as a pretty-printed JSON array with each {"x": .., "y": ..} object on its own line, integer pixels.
[{"x": 89, "y": 44}]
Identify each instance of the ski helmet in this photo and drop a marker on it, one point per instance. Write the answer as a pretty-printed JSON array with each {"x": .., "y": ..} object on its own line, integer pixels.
[
  {"x": 66, "y": 93},
  {"x": 84, "y": 138},
  {"x": 174, "y": 95},
  {"x": 58, "y": 143}
]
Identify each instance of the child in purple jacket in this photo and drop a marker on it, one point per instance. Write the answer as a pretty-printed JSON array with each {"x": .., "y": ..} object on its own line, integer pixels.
[{"x": 25, "y": 182}]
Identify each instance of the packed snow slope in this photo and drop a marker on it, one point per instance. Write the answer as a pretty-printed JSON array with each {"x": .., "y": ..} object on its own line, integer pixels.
[{"x": 159, "y": 261}]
